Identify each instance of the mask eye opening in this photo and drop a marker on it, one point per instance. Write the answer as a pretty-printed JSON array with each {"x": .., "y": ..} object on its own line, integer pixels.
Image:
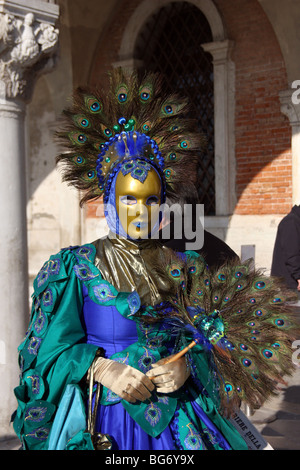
[
  {"x": 128, "y": 200},
  {"x": 152, "y": 201}
]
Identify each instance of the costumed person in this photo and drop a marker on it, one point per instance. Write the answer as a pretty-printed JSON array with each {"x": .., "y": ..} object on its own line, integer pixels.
[
  {"x": 286, "y": 254},
  {"x": 131, "y": 345}
]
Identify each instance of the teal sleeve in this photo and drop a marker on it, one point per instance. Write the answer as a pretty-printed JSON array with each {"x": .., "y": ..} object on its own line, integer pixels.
[{"x": 54, "y": 352}]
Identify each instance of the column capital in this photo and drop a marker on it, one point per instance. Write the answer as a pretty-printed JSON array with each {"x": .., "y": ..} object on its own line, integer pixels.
[
  {"x": 28, "y": 45},
  {"x": 220, "y": 50},
  {"x": 289, "y": 106}
]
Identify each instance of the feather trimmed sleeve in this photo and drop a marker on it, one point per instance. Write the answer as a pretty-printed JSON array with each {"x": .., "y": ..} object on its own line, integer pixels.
[{"x": 53, "y": 353}]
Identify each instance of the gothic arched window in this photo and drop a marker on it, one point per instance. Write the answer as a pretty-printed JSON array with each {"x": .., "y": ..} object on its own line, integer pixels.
[{"x": 170, "y": 43}]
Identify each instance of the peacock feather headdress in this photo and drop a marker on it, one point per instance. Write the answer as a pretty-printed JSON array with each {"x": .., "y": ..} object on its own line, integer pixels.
[{"x": 133, "y": 120}]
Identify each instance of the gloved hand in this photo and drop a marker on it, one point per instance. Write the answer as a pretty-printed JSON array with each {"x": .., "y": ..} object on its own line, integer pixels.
[
  {"x": 169, "y": 377},
  {"x": 127, "y": 382}
]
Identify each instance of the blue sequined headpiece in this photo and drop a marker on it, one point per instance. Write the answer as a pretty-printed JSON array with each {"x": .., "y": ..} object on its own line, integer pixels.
[
  {"x": 133, "y": 153},
  {"x": 133, "y": 119}
]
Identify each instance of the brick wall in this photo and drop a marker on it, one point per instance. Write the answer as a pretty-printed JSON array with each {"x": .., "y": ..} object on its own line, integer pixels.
[{"x": 262, "y": 132}]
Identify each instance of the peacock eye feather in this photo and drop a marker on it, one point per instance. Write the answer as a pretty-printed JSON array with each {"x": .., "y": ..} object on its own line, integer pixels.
[
  {"x": 192, "y": 269},
  {"x": 168, "y": 109},
  {"x": 172, "y": 107},
  {"x": 93, "y": 105},
  {"x": 267, "y": 353},
  {"x": 122, "y": 97},
  {"x": 246, "y": 362},
  {"x": 81, "y": 121},
  {"x": 91, "y": 174},
  {"x": 100, "y": 146},
  {"x": 260, "y": 285},
  {"x": 238, "y": 274},
  {"x": 172, "y": 157},
  {"x": 145, "y": 93},
  {"x": 106, "y": 131},
  {"x": 260, "y": 312},
  {"x": 185, "y": 144},
  {"x": 272, "y": 355},
  {"x": 175, "y": 273},
  {"x": 122, "y": 94},
  {"x": 85, "y": 123},
  {"x": 79, "y": 160},
  {"x": 77, "y": 138},
  {"x": 146, "y": 126},
  {"x": 81, "y": 138},
  {"x": 169, "y": 173},
  {"x": 229, "y": 389}
]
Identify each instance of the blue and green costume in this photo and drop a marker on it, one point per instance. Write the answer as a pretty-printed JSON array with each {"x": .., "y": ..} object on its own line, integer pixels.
[{"x": 75, "y": 312}]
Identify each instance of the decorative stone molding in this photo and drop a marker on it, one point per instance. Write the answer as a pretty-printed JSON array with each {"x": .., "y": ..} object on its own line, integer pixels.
[
  {"x": 291, "y": 109},
  {"x": 44, "y": 11},
  {"x": 28, "y": 48}
]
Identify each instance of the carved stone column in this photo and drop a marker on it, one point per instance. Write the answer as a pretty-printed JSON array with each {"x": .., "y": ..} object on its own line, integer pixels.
[
  {"x": 224, "y": 99},
  {"x": 291, "y": 109},
  {"x": 28, "y": 43}
]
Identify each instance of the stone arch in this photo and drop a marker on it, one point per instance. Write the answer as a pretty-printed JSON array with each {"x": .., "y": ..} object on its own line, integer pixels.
[
  {"x": 147, "y": 9},
  {"x": 220, "y": 49}
]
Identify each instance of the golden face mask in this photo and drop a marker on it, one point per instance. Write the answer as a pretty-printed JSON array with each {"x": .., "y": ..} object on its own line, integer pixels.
[{"x": 138, "y": 203}]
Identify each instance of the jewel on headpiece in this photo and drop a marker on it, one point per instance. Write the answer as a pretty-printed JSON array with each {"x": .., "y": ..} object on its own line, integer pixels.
[{"x": 138, "y": 169}]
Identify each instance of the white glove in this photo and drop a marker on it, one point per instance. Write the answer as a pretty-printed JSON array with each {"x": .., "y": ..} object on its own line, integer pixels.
[
  {"x": 127, "y": 382},
  {"x": 169, "y": 377}
]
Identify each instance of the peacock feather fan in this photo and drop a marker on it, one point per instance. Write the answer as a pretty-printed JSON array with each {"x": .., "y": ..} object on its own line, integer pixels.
[
  {"x": 135, "y": 114},
  {"x": 245, "y": 316}
]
